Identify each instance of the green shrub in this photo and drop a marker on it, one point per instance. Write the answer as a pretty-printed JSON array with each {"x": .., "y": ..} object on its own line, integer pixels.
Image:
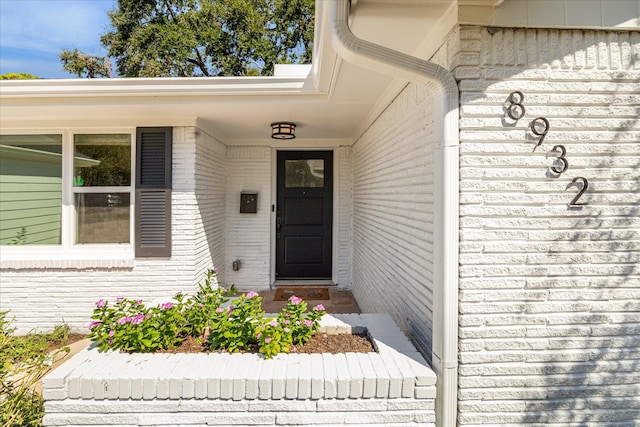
[
  {"x": 24, "y": 360},
  {"x": 18, "y": 76},
  {"x": 201, "y": 308}
]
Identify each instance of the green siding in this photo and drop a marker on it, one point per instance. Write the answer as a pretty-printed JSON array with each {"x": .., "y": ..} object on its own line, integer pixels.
[{"x": 30, "y": 196}]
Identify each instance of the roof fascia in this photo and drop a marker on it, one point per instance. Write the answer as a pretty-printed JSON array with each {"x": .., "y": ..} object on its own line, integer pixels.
[
  {"x": 168, "y": 86},
  {"x": 518, "y": 14}
]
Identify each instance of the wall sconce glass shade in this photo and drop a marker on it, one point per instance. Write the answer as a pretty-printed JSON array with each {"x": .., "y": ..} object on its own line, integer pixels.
[{"x": 283, "y": 130}]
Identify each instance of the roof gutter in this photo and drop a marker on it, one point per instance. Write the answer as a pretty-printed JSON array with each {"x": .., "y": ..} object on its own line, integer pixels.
[{"x": 446, "y": 193}]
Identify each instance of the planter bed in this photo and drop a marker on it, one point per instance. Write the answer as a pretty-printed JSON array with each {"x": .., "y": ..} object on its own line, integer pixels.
[{"x": 393, "y": 386}]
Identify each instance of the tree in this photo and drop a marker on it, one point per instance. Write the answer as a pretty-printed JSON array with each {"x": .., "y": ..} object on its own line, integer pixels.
[
  {"x": 179, "y": 38},
  {"x": 85, "y": 65},
  {"x": 18, "y": 76}
]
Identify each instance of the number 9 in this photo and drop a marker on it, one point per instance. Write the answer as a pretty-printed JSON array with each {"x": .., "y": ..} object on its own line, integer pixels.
[{"x": 541, "y": 134}]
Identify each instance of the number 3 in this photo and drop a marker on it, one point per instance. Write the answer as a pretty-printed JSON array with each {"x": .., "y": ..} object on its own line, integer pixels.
[{"x": 565, "y": 162}]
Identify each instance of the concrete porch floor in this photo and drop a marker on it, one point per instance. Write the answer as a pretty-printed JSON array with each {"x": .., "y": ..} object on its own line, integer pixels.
[{"x": 340, "y": 301}]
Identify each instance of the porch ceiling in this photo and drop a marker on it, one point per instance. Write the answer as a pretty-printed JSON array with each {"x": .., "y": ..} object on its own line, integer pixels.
[{"x": 333, "y": 102}]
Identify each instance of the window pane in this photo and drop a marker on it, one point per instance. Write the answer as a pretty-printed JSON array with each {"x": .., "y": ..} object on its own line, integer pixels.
[
  {"x": 304, "y": 173},
  {"x": 102, "y": 160},
  {"x": 103, "y": 217},
  {"x": 30, "y": 189}
]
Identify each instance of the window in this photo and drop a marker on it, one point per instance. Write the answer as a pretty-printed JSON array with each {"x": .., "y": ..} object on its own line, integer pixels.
[
  {"x": 102, "y": 187},
  {"x": 304, "y": 173},
  {"x": 31, "y": 189},
  {"x": 34, "y": 186},
  {"x": 78, "y": 190}
]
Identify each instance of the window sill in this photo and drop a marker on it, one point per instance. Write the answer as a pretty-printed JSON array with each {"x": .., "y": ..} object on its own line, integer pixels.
[{"x": 56, "y": 257}]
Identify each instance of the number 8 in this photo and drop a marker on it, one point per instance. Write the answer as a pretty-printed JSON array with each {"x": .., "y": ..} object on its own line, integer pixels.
[{"x": 515, "y": 105}]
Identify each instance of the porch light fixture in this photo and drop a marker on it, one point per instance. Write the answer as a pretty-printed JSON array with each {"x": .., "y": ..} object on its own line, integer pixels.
[{"x": 283, "y": 130}]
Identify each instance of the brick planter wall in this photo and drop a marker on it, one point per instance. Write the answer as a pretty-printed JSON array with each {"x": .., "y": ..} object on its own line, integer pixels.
[{"x": 393, "y": 386}]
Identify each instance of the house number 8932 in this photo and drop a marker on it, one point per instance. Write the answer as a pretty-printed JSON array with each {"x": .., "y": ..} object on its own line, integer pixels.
[{"x": 540, "y": 127}]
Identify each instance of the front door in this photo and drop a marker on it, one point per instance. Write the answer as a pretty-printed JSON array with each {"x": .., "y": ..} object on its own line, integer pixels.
[{"x": 304, "y": 214}]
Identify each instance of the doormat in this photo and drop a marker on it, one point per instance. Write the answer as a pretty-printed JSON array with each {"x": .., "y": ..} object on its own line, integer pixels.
[{"x": 306, "y": 293}]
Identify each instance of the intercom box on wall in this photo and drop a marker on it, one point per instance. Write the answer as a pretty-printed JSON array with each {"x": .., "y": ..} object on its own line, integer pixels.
[{"x": 248, "y": 202}]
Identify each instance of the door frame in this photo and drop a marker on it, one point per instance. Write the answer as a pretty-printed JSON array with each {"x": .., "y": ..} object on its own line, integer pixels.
[{"x": 274, "y": 199}]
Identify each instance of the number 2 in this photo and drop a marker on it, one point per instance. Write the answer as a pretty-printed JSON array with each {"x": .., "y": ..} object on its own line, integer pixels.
[{"x": 585, "y": 185}]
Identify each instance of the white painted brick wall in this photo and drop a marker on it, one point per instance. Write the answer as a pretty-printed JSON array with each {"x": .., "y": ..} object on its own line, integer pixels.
[
  {"x": 210, "y": 173},
  {"x": 550, "y": 296},
  {"x": 393, "y": 215},
  {"x": 344, "y": 161},
  {"x": 247, "y": 236}
]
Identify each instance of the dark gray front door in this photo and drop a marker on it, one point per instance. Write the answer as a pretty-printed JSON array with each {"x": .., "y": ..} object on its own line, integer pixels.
[{"x": 304, "y": 214}]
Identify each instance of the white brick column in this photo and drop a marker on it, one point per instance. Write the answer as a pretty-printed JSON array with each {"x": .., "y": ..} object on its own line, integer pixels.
[{"x": 549, "y": 294}]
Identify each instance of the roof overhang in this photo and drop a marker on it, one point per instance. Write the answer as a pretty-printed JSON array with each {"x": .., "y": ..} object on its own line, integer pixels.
[{"x": 329, "y": 101}]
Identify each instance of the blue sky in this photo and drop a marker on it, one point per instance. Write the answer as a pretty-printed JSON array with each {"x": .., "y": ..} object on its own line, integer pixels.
[{"x": 33, "y": 32}]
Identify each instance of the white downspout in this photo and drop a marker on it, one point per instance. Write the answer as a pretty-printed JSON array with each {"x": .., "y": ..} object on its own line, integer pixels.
[{"x": 446, "y": 192}]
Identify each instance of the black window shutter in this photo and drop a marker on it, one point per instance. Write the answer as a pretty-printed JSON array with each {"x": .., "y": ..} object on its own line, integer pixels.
[{"x": 153, "y": 192}]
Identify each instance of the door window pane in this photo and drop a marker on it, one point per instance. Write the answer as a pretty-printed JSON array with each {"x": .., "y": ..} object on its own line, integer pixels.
[
  {"x": 30, "y": 189},
  {"x": 304, "y": 173},
  {"x": 102, "y": 160},
  {"x": 103, "y": 217}
]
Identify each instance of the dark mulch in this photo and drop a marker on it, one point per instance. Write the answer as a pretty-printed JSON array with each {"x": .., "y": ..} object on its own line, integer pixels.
[
  {"x": 319, "y": 343},
  {"x": 340, "y": 343}
]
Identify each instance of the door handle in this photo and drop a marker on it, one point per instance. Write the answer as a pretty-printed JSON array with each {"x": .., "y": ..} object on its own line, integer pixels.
[{"x": 278, "y": 224}]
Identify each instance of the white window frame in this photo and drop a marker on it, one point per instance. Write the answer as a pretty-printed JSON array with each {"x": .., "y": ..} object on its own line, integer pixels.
[{"x": 68, "y": 253}]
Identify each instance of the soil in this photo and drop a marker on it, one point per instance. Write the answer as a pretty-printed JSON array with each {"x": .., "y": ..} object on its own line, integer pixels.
[
  {"x": 319, "y": 343},
  {"x": 340, "y": 343}
]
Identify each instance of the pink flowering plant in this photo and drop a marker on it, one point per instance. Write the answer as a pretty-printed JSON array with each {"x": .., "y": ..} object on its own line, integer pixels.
[
  {"x": 273, "y": 338},
  {"x": 234, "y": 326},
  {"x": 294, "y": 325},
  {"x": 130, "y": 326},
  {"x": 302, "y": 323},
  {"x": 210, "y": 315}
]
